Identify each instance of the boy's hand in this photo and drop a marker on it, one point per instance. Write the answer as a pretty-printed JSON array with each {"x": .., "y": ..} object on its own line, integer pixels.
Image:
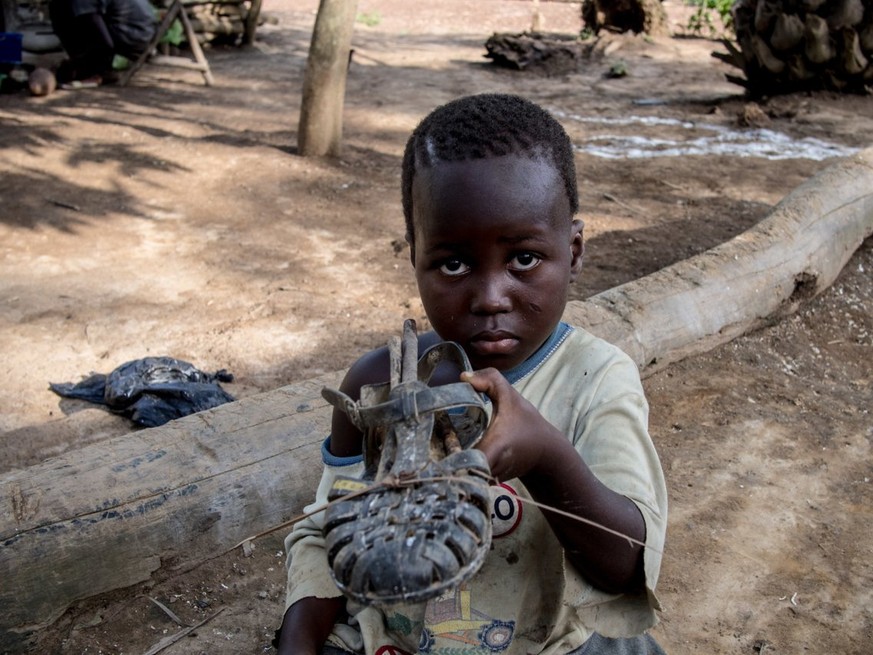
[
  {"x": 518, "y": 435},
  {"x": 520, "y": 443}
]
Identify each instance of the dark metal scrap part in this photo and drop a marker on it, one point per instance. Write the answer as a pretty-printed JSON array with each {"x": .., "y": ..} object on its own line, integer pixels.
[{"x": 423, "y": 523}]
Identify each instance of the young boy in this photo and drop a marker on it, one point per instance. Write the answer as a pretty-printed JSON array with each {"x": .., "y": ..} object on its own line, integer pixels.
[{"x": 489, "y": 196}]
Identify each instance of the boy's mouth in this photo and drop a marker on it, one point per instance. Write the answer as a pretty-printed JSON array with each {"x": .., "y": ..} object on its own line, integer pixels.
[{"x": 493, "y": 343}]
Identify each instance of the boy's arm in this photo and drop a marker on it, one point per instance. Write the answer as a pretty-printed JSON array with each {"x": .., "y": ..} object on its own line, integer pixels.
[
  {"x": 373, "y": 368},
  {"x": 610, "y": 562},
  {"x": 521, "y": 443},
  {"x": 307, "y": 624},
  {"x": 309, "y": 620}
]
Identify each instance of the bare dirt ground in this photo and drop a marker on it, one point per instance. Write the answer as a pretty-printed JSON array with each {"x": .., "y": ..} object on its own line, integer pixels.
[{"x": 172, "y": 218}]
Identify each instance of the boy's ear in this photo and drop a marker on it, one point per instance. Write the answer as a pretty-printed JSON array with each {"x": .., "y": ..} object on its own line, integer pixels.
[{"x": 577, "y": 249}]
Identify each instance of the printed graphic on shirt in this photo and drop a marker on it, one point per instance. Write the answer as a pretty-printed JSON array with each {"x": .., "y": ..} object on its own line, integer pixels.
[
  {"x": 454, "y": 626},
  {"x": 505, "y": 510}
]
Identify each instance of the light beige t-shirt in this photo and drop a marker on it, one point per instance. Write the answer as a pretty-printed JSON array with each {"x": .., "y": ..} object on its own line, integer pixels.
[{"x": 525, "y": 599}]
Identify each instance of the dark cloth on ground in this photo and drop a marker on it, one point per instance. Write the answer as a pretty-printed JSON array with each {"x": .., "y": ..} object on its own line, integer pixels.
[{"x": 151, "y": 391}]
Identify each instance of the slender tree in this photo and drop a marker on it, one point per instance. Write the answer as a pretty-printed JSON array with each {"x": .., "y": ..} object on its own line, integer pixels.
[{"x": 324, "y": 82}]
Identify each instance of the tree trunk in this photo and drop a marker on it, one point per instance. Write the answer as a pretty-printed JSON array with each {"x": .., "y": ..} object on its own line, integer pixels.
[
  {"x": 788, "y": 46},
  {"x": 636, "y": 16},
  {"x": 762, "y": 274},
  {"x": 324, "y": 83}
]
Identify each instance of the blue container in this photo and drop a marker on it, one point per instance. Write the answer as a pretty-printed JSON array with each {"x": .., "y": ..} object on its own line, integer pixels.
[{"x": 10, "y": 47}]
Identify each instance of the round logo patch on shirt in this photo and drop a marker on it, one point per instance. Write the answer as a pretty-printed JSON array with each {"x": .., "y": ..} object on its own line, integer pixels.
[
  {"x": 390, "y": 650},
  {"x": 505, "y": 510}
]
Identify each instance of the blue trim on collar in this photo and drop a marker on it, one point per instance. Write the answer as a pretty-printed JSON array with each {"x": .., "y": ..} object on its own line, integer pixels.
[
  {"x": 332, "y": 460},
  {"x": 533, "y": 362}
]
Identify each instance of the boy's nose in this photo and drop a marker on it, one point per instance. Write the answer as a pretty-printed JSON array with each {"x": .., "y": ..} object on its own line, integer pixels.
[{"x": 490, "y": 295}]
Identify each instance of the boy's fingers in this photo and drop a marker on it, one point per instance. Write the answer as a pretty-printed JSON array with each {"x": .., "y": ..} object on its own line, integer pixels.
[{"x": 486, "y": 380}]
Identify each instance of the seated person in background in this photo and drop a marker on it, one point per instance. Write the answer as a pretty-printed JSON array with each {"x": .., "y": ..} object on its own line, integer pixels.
[{"x": 94, "y": 31}]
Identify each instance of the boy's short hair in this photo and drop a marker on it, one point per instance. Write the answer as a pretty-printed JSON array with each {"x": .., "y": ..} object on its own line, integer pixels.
[{"x": 482, "y": 126}]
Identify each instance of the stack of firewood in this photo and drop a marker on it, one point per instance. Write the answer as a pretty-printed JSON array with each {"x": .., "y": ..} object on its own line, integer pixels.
[
  {"x": 790, "y": 45},
  {"x": 225, "y": 21},
  {"x": 216, "y": 20}
]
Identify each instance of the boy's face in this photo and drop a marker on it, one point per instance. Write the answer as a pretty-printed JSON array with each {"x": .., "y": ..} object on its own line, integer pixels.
[{"x": 494, "y": 254}]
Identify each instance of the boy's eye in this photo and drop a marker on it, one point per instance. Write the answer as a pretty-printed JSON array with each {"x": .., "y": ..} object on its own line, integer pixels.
[
  {"x": 524, "y": 261},
  {"x": 454, "y": 267}
]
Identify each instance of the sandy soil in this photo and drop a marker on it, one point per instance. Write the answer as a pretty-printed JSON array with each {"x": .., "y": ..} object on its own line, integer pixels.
[{"x": 172, "y": 218}]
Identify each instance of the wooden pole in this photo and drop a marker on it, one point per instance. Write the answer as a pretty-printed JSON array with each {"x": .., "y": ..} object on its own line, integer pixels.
[
  {"x": 324, "y": 81},
  {"x": 136, "y": 507},
  {"x": 251, "y": 22}
]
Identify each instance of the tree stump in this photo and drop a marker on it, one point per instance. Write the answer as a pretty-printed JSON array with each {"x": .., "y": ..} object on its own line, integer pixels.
[
  {"x": 787, "y": 46},
  {"x": 635, "y": 16}
]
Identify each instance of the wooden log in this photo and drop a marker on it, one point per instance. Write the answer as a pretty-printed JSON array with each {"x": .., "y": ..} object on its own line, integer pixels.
[
  {"x": 139, "y": 506},
  {"x": 110, "y": 515},
  {"x": 793, "y": 254}
]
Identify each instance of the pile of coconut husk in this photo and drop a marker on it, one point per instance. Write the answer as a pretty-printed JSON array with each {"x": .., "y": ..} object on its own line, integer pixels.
[{"x": 791, "y": 45}]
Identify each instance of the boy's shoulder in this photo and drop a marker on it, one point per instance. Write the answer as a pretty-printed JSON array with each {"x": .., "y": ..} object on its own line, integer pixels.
[
  {"x": 374, "y": 367},
  {"x": 583, "y": 358},
  {"x": 584, "y": 343}
]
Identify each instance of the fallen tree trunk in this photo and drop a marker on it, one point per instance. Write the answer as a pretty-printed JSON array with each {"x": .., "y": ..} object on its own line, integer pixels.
[
  {"x": 135, "y": 507},
  {"x": 110, "y": 515},
  {"x": 763, "y": 273}
]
